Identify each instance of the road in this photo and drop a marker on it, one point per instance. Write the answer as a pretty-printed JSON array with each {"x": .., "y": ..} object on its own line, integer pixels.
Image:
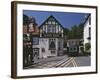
[{"x": 63, "y": 62}]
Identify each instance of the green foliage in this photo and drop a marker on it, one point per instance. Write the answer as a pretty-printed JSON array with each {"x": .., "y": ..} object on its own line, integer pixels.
[
  {"x": 25, "y": 20},
  {"x": 75, "y": 32},
  {"x": 82, "y": 49},
  {"x": 66, "y": 31},
  {"x": 87, "y": 49},
  {"x": 87, "y": 46}
]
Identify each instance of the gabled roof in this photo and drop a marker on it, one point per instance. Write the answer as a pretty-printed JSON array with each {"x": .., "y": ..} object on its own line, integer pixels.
[
  {"x": 86, "y": 19},
  {"x": 48, "y": 19}
]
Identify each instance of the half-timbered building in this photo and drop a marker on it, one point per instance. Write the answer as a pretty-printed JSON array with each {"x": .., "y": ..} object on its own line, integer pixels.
[{"x": 51, "y": 38}]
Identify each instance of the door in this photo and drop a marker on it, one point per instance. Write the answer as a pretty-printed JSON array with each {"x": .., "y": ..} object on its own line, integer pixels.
[
  {"x": 60, "y": 47},
  {"x": 35, "y": 54}
]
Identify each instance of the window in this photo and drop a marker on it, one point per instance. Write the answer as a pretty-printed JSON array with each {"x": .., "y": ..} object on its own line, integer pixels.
[
  {"x": 49, "y": 22},
  {"x": 49, "y": 29},
  {"x": 56, "y": 23},
  {"x": 35, "y": 41},
  {"x": 43, "y": 49},
  {"x": 52, "y": 44},
  {"x": 90, "y": 20},
  {"x": 53, "y": 29},
  {"x": 75, "y": 48},
  {"x": 44, "y": 28},
  {"x": 53, "y": 52},
  {"x": 89, "y": 31},
  {"x": 53, "y": 22},
  {"x": 70, "y": 49}
]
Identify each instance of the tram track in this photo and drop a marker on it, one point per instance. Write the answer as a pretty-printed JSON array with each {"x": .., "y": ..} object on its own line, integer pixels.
[{"x": 66, "y": 62}]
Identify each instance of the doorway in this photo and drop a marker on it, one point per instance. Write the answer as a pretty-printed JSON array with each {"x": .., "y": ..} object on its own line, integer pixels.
[{"x": 35, "y": 54}]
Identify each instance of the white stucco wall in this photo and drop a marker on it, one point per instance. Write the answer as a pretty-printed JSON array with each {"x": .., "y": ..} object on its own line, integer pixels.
[
  {"x": 44, "y": 43},
  {"x": 86, "y": 32}
]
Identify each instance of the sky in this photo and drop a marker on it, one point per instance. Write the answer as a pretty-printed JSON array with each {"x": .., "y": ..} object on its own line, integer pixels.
[{"x": 66, "y": 19}]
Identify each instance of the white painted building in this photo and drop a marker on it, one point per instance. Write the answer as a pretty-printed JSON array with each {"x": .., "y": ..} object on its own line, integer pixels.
[
  {"x": 50, "y": 42},
  {"x": 87, "y": 30}
]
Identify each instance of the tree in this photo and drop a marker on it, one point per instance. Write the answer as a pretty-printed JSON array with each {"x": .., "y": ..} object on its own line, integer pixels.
[
  {"x": 25, "y": 19},
  {"x": 66, "y": 31},
  {"x": 80, "y": 30},
  {"x": 87, "y": 46},
  {"x": 75, "y": 32}
]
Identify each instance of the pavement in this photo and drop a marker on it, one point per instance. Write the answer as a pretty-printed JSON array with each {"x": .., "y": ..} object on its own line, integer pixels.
[{"x": 83, "y": 61}]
